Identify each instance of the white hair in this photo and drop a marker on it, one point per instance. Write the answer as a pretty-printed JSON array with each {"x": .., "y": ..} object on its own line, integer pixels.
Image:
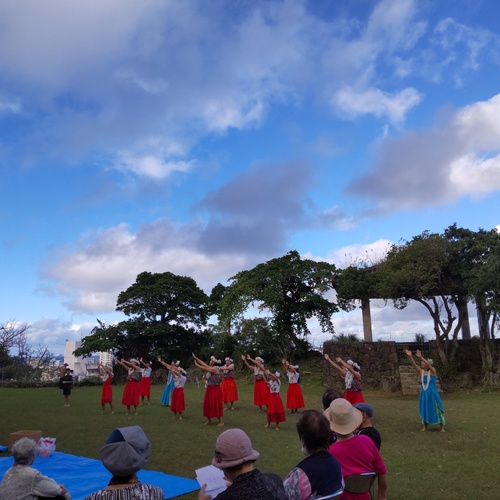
[
  {"x": 215, "y": 360},
  {"x": 258, "y": 358},
  {"x": 228, "y": 359},
  {"x": 23, "y": 451}
]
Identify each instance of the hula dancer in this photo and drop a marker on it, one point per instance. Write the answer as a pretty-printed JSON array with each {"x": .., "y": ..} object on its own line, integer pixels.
[
  {"x": 294, "y": 396},
  {"x": 260, "y": 388},
  {"x": 106, "y": 375},
  {"x": 351, "y": 373},
  {"x": 229, "y": 389},
  {"x": 212, "y": 403},
  {"x": 131, "y": 392},
  {"x": 430, "y": 405},
  {"x": 275, "y": 410},
  {"x": 166, "y": 397},
  {"x": 145, "y": 383},
  {"x": 179, "y": 375}
]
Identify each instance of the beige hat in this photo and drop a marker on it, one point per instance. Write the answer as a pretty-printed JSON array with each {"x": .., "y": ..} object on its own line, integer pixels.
[
  {"x": 233, "y": 447},
  {"x": 343, "y": 417}
]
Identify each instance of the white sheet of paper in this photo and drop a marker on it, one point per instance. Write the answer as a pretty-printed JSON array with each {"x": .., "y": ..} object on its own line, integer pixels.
[{"x": 213, "y": 478}]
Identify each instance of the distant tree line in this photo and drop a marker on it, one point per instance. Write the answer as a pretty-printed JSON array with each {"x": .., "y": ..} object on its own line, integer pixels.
[
  {"x": 19, "y": 359},
  {"x": 170, "y": 316}
]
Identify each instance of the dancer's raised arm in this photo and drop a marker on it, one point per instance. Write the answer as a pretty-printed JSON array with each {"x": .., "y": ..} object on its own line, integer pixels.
[{"x": 341, "y": 370}]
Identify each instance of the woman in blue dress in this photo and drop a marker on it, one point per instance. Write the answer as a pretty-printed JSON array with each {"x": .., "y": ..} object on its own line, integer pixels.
[
  {"x": 431, "y": 407},
  {"x": 166, "y": 397}
]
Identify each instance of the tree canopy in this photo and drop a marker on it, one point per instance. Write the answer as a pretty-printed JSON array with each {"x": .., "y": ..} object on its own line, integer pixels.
[
  {"x": 163, "y": 311},
  {"x": 291, "y": 289}
]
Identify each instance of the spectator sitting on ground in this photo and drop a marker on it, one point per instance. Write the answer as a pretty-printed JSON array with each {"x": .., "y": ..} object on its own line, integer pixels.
[
  {"x": 22, "y": 481},
  {"x": 356, "y": 454},
  {"x": 125, "y": 453},
  {"x": 319, "y": 474},
  {"x": 366, "y": 428},
  {"x": 235, "y": 456}
]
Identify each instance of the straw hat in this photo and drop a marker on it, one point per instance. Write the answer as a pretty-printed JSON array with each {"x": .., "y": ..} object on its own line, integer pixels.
[{"x": 343, "y": 417}]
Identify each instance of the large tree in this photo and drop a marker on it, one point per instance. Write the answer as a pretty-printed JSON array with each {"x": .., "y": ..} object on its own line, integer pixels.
[
  {"x": 165, "y": 311},
  {"x": 291, "y": 289},
  {"x": 480, "y": 263},
  {"x": 426, "y": 270}
]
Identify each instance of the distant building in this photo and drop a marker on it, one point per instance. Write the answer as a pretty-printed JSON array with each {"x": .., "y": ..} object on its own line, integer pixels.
[
  {"x": 82, "y": 367},
  {"x": 106, "y": 358}
]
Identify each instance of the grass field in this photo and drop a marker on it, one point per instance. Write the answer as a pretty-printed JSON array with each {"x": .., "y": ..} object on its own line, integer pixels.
[{"x": 461, "y": 463}]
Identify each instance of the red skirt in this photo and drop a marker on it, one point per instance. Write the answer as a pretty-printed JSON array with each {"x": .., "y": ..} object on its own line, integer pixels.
[
  {"x": 145, "y": 386},
  {"x": 107, "y": 393},
  {"x": 177, "y": 404},
  {"x": 260, "y": 393},
  {"x": 212, "y": 404},
  {"x": 275, "y": 410},
  {"x": 131, "y": 394},
  {"x": 229, "y": 390},
  {"x": 354, "y": 397},
  {"x": 294, "y": 397}
]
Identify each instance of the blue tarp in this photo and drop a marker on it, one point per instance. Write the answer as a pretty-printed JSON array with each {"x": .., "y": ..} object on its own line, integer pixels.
[{"x": 82, "y": 476}]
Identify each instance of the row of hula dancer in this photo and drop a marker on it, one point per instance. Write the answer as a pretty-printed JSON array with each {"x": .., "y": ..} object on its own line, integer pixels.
[
  {"x": 138, "y": 386},
  {"x": 221, "y": 390}
]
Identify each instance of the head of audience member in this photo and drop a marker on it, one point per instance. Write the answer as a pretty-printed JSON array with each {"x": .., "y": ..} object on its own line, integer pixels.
[
  {"x": 126, "y": 452},
  {"x": 234, "y": 453},
  {"x": 24, "y": 451},
  {"x": 313, "y": 429},
  {"x": 330, "y": 395},
  {"x": 366, "y": 412},
  {"x": 344, "y": 419}
]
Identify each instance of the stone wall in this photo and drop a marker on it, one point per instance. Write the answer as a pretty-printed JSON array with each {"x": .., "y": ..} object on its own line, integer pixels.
[
  {"x": 381, "y": 361},
  {"x": 378, "y": 360}
]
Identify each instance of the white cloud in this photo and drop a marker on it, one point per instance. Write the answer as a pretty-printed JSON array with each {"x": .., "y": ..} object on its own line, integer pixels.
[
  {"x": 351, "y": 255},
  {"x": 92, "y": 273},
  {"x": 374, "y": 101},
  {"x": 439, "y": 165}
]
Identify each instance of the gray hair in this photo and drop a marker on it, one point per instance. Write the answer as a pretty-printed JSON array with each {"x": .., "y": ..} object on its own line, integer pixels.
[{"x": 23, "y": 451}]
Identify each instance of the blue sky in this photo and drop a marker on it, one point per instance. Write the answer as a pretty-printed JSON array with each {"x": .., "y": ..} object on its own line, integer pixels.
[{"x": 203, "y": 138}]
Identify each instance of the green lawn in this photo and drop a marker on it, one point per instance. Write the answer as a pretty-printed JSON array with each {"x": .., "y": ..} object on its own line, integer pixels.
[{"x": 461, "y": 463}]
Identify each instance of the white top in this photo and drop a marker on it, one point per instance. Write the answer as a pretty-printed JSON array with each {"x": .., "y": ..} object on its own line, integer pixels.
[
  {"x": 293, "y": 378},
  {"x": 146, "y": 372},
  {"x": 179, "y": 381}
]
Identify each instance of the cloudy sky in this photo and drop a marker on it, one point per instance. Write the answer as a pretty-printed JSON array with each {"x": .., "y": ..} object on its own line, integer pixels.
[{"x": 203, "y": 138}]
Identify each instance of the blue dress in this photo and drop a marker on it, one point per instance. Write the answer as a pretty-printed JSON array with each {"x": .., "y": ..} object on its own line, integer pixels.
[
  {"x": 166, "y": 397},
  {"x": 431, "y": 407}
]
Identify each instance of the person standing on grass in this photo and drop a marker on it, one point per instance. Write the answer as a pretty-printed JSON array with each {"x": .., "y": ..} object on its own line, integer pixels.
[
  {"x": 106, "y": 375},
  {"x": 212, "y": 403},
  {"x": 179, "y": 375},
  {"x": 145, "y": 383},
  {"x": 66, "y": 384},
  {"x": 275, "y": 409},
  {"x": 294, "y": 396},
  {"x": 260, "y": 388},
  {"x": 351, "y": 373},
  {"x": 229, "y": 389},
  {"x": 166, "y": 397},
  {"x": 430, "y": 404},
  {"x": 131, "y": 392}
]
